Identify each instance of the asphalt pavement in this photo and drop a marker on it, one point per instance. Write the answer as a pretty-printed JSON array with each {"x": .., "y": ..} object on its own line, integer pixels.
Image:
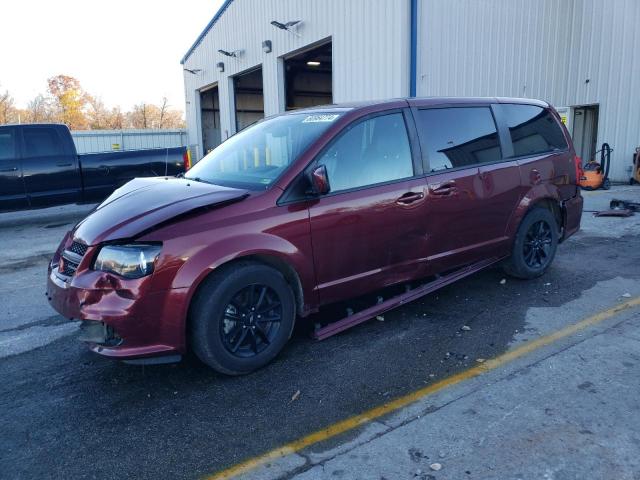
[{"x": 66, "y": 413}]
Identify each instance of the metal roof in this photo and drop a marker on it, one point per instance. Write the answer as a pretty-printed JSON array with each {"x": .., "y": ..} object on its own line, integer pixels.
[{"x": 206, "y": 30}]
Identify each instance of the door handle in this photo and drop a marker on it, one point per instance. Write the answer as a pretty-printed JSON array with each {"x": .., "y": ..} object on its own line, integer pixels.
[
  {"x": 410, "y": 197},
  {"x": 10, "y": 169},
  {"x": 445, "y": 188}
]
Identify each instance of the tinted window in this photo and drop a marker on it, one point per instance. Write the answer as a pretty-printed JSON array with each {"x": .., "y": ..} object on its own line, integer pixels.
[
  {"x": 7, "y": 145},
  {"x": 373, "y": 151},
  {"x": 458, "y": 137},
  {"x": 40, "y": 142},
  {"x": 533, "y": 129}
]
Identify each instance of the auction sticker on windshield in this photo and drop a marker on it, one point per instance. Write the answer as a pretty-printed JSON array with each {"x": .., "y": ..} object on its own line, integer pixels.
[{"x": 320, "y": 118}]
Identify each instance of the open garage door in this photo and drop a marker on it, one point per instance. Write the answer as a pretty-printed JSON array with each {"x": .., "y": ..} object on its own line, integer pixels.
[
  {"x": 249, "y": 98},
  {"x": 308, "y": 77},
  {"x": 210, "y": 118}
]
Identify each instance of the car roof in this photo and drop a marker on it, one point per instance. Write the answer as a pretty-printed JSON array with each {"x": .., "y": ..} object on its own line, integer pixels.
[{"x": 418, "y": 102}]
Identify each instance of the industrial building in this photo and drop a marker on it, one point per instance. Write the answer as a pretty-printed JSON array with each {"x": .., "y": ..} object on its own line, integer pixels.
[{"x": 257, "y": 58}]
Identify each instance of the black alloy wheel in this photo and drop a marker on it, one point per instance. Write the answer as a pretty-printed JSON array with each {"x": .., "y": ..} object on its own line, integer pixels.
[
  {"x": 251, "y": 320},
  {"x": 534, "y": 245},
  {"x": 537, "y": 245},
  {"x": 241, "y": 317}
]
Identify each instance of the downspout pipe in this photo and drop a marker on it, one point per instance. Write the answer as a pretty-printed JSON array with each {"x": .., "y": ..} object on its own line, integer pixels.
[{"x": 413, "y": 49}]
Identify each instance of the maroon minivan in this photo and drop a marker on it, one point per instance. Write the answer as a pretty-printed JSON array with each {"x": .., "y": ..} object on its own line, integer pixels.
[{"x": 310, "y": 208}]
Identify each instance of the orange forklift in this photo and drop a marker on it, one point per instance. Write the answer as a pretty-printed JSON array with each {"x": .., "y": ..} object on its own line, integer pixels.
[{"x": 595, "y": 174}]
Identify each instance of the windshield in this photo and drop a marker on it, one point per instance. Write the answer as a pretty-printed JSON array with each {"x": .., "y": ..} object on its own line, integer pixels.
[{"x": 255, "y": 157}]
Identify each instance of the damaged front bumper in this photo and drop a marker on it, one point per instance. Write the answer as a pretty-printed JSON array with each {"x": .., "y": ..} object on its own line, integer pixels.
[{"x": 124, "y": 319}]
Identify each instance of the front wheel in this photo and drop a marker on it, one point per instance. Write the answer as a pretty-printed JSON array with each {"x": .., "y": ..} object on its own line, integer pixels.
[
  {"x": 241, "y": 318},
  {"x": 535, "y": 245}
]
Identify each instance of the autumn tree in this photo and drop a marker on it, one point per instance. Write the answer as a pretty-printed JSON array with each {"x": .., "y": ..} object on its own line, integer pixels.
[
  {"x": 70, "y": 101},
  {"x": 147, "y": 115},
  {"x": 7, "y": 109},
  {"x": 39, "y": 110},
  {"x": 67, "y": 102}
]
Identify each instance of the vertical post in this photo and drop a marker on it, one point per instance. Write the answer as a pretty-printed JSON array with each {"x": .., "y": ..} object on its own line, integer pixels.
[{"x": 413, "y": 53}]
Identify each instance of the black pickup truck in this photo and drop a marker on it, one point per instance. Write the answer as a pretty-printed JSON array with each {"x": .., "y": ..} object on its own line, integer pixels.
[{"x": 39, "y": 167}]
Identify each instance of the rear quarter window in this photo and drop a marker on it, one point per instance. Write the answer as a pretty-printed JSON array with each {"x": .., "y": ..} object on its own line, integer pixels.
[
  {"x": 458, "y": 137},
  {"x": 533, "y": 129}
]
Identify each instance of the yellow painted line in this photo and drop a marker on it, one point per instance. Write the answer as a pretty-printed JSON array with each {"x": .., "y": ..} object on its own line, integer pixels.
[{"x": 377, "y": 412}]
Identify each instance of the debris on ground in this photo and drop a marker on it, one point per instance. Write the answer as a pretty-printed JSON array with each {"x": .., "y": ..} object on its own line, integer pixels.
[
  {"x": 295, "y": 396},
  {"x": 435, "y": 466},
  {"x": 380, "y": 318},
  {"x": 480, "y": 360},
  {"x": 614, "y": 213},
  {"x": 503, "y": 281},
  {"x": 466, "y": 328},
  {"x": 626, "y": 295}
]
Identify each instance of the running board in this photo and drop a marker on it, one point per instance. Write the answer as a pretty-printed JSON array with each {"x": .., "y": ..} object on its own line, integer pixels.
[{"x": 368, "y": 313}]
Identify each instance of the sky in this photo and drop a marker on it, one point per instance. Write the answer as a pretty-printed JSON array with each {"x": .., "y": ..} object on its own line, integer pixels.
[{"x": 122, "y": 51}]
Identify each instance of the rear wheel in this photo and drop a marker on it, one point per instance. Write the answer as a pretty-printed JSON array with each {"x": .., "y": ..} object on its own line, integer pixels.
[
  {"x": 242, "y": 317},
  {"x": 535, "y": 245}
]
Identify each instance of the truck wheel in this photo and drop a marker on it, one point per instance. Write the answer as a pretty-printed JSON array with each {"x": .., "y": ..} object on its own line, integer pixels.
[
  {"x": 534, "y": 246},
  {"x": 241, "y": 318}
]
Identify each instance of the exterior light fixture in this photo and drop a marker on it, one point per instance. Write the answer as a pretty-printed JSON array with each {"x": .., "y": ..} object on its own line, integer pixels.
[
  {"x": 313, "y": 63},
  {"x": 291, "y": 27},
  {"x": 220, "y": 66},
  {"x": 266, "y": 46},
  {"x": 235, "y": 53}
]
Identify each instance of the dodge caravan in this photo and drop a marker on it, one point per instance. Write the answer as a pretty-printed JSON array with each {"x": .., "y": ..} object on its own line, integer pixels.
[{"x": 313, "y": 207}]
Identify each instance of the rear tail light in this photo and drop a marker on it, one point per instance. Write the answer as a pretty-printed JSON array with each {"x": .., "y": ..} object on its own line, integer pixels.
[
  {"x": 186, "y": 158},
  {"x": 579, "y": 171}
]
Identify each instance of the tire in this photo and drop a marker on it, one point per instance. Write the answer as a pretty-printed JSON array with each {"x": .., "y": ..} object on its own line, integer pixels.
[
  {"x": 533, "y": 242},
  {"x": 225, "y": 333}
]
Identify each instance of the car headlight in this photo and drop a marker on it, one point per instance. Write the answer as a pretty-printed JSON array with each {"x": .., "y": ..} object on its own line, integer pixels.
[{"x": 130, "y": 261}]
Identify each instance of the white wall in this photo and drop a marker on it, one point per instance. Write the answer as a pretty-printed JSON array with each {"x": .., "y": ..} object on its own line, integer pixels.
[
  {"x": 370, "y": 51},
  {"x": 540, "y": 49}
]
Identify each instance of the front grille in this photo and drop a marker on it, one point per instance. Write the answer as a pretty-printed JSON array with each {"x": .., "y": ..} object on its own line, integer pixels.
[
  {"x": 78, "y": 248},
  {"x": 71, "y": 258},
  {"x": 68, "y": 268}
]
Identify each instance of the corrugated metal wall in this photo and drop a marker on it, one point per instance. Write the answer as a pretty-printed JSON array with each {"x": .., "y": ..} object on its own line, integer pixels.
[
  {"x": 370, "y": 51},
  {"x": 545, "y": 49},
  {"x": 95, "y": 141}
]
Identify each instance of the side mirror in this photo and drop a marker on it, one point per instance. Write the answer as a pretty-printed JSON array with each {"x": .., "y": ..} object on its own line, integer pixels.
[{"x": 319, "y": 179}]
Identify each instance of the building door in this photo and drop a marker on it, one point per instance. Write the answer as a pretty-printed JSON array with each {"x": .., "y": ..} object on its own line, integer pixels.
[
  {"x": 210, "y": 119},
  {"x": 249, "y": 98},
  {"x": 585, "y": 131},
  {"x": 309, "y": 77}
]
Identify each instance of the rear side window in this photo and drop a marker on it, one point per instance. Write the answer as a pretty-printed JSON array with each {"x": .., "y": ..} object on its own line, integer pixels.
[
  {"x": 458, "y": 137},
  {"x": 7, "y": 145},
  {"x": 40, "y": 142},
  {"x": 372, "y": 151},
  {"x": 533, "y": 129}
]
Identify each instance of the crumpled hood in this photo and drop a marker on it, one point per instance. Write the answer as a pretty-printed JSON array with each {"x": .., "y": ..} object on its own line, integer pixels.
[{"x": 143, "y": 203}]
